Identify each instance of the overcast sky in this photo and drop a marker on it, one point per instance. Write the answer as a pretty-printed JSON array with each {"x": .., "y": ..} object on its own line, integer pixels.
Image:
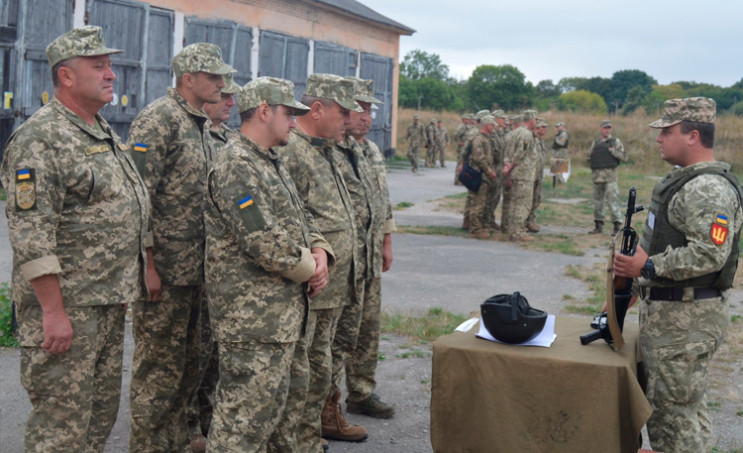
[{"x": 686, "y": 40}]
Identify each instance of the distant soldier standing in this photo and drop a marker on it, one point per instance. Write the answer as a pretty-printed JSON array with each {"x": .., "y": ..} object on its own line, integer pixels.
[
  {"x": 481, "y": 159},
  {"x": 416, "y": 137},
  {"x": 441, "y": 143},
  {"x": 520, "y": 166},
  {"x": 531, "y": 219},
  {"x": 498, "y": 143},
  {"x": 430, "y": 144},
  {"x": 559, "y": 160},
  {"x": 77, "y": 222},
  {"x": 171, "y": 144},
  {"x": 686, "y": 264},
  {"x": 605, "y": 155},
  {"x": 459, "y": 142}
]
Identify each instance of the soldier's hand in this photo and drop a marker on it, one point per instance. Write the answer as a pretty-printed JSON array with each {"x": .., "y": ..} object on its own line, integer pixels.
[
  {"x": 57, "y": 332},
  {"x": 319, "y": 279},
  {"x": 630, "y": 266},
  {"x": 152, "y": 278},
  {"x": 507, "y": 168},
  {"x": 492, "y": 175},
  {"x": 387, "y": 252}
]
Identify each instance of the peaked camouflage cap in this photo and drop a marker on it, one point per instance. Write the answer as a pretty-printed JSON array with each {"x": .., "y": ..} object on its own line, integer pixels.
[
  {"x": 517, "y": 118},
  {"x": 481, "y": 113},
  {"x": 530, "y": 114},
  {"x": 363, "y": 90},
  {"x": 200, "y": 57},
  {"x": 698, "y": 109},
  {"x": 333, "y": 87},
  {"x": 499, "y": 114},
  {"x": 79, "y": 42},
  {"x": 230, "y": 87},
  {"x": 487, "y": 119},
  {"x": 272, "y": 91},
  {"x": 541, "y": 122},
  {"x": 559, "y": 123}
]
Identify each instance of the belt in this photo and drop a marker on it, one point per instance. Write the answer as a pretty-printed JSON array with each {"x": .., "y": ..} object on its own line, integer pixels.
[{"x": 677, "y": 294}]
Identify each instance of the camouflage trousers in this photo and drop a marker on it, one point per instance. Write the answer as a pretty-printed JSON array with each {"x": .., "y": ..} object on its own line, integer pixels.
[
  {"x": 505, "y": 205},
  {"x": 678, "y": 340},
  {"x": 439, "y": 153},
  {"x": 75, "y": 395},
  {"x": 284, "y": 437},
  {"x": 413, "y": 152},
  {"x": 309, "y": 428},
  {"x": 165, "y": 369},
  {"x": 478, "y": 205},
  {"x": 494, "y": 194},
  {"x": 362, "y": 346},
  {"x": 606, "y": 194},
  {"x": 201, "y": 407},
  {"x": 430, "y": 156},
  {"x": 536, "y": 200},
  {"x": 456, "y": 167},
  {"x": 251, "y": 394},
  {"x": 467, "y": 206},
  {"x": 519, "y": 205}
]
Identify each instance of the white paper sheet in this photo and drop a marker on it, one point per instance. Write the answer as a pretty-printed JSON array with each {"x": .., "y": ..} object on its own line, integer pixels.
[
  {"x": 467, "y": 325},
  {"x": 545, "y": 338}
]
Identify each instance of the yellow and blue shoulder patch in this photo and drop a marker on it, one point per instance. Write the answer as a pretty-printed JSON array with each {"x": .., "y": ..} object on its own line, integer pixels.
[
  {"x": 245, "y": 202},
  {"x": 23, "y": 174},
  {"x": 25, "y": 189},
  {"x": 719, "y": 230},
  {"x": 140, "y": 147}
]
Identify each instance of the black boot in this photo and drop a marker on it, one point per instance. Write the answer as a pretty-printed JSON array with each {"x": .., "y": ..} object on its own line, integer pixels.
[{"x": 599, "y": 227}]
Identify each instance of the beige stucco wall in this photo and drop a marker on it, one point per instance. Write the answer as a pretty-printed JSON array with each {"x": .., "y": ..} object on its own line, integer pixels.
[{"x": 302, "y": 19}]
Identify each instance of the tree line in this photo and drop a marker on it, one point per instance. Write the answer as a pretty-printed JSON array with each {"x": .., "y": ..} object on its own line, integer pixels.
[{"x": 425, "y": 83}]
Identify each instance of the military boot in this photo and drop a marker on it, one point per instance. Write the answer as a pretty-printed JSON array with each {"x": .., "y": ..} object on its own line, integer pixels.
[
  {"x": 617, "y": 227},
  {"x": 466, "y": 223},
  {"x": 372, "y": 406},
  {"x": 599, "y": 227},
  {"x": 334, "y": 424}
]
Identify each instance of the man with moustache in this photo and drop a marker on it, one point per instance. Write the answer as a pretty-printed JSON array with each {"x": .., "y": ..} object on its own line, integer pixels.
[
  {"x": 171, "y": 144},
  {"x": 265, "y": 257},
  {"x": 77, "y": 222}
]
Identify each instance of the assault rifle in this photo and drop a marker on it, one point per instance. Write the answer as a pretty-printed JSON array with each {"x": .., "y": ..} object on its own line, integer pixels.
[{"x": 609, "y": 324}]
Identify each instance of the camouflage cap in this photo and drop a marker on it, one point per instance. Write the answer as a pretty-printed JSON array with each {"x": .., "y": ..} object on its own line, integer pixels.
[
  {"x": 499, "y": 114},
  {"x": 529, "y": 114},
  {"x": 698, "y": 109},
  {"x": 559, "y": 123},
  {"x": 517, "y": 118},
  {"x": 541, "y": 122},
  {"x": 481, "y": 113},
  {"x": 416, "y": 117},
  {"x": 433, "y": 120},
  {"x": 363, "y": 90},
  {"x": 468, "y": 116},
  {"x": 333, "y": 87},
  {"x": 230, "y": 87},
  {"x": 200, "y": 57},
  {"x": 79, "y": 42},
  {"x": 487, "y": 119},
  {"x": 605, "y": 123},
  {"x": 270, "y": 90}
]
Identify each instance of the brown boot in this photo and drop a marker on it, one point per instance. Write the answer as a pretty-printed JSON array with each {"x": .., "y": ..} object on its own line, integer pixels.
[
  {"x": 482, "y": 233},
  {"x": 617, "y": 227},
  {"x": 532, "y": 228},
  {"x": 466, "y": 223},
  {"x": 334, "y": 424},
  {"x": 599, "y": 227}
]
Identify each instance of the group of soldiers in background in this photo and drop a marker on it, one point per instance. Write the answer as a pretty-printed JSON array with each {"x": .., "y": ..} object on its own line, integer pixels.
[
  {"x": 434, "y": 137},
  {"x": 269, "y": 241}
]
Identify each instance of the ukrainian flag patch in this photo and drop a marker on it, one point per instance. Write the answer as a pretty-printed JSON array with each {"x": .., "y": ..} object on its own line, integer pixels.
[
  {"x": 721, "y": 219},
  {"x": 140, "y": 147},
  {"x": 23, "y": 174},
  {"x": 245, "y": 202}
]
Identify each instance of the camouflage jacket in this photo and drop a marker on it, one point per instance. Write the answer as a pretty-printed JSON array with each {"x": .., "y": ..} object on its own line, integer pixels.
[
  {"x": 221, "y": 136},
  {"x": 416, "y": 135},
  {"x": 521, "y": 150},
  {"x": 171, "y": 144},
  {"x": 320, "y": 184},
  {"x": 430, "y": 135},
  {"x": 481, "y": 155},
  {"x": 76, "y": 208},
  {"x": 442, "y": 137},
  {"x": 608, "y": 174},
  {"x": 498, "y": 144},
  {"x": 459, "y": 133},
  {"x": 541, "y": 159},
  {"x": 258, "y": 252}
]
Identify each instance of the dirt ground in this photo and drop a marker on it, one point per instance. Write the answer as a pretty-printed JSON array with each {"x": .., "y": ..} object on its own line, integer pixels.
[{"x": 452, "y": 273}]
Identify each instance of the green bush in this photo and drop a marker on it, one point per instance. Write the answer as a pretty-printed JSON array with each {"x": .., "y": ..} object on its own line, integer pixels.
[{"x": 6, "y": 315}]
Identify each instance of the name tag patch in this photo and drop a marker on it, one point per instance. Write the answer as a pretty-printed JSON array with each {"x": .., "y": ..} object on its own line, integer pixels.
[{"x": 97, "y": 149}]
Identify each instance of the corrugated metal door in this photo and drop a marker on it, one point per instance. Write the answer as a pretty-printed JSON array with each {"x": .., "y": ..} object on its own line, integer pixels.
[
  {"x": 159, "y": 54},
  {"x": 379, "y": 69},
  {"x": 286, "y": 57},
  {"x": 9, "y": 15},
  {"x": 335, "y": 59},
  {"x": 235, "y": 41}
]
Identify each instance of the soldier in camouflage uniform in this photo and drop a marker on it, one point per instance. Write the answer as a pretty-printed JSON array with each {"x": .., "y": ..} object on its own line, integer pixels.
[
  {"x": 514, "y": 122},
  {"x": 498, "y": 143},
  {"x": 171, "y": 144},
  {"x": 310, "y": 162},
  {"x": 521, "y": 159},
  {"x": 264, "y": 258},
  {"x": 430, "y": 144},
  {"x": 202, "y": 401},
  {"x": 440, "y": 144},
  {"x": 459, "y": 140},
  {"x": 531, "y": 219},
  {"x": 356, "y": 341},
  {"x": 686, "y": 264},
  {"x": 481, "y": 159},
  {"x": 471, "y": 133},
  {"x": 416, "y": 137},
  {"x": 605, "y": 155},
  {"x": 77, "y": 222}
]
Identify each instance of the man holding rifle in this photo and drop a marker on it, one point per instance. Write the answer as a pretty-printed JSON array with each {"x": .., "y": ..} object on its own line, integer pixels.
[{"x": 686, "y": 264}]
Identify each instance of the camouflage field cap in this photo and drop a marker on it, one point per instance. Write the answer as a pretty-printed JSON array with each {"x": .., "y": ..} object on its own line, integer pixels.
[
  {"x": 481, "y": 113},
  {"x": 487, "y": 119},
  {"x": 559, "y": 123},
  {"x": 416, "y": 117},
  {"x": 499, "y": 114},
  {"x": 541, "y": 122},
  {"x": 230, "y": 87},
  {"x": 606, "y": 123},
  {"x": 333, "y": 87},
  {"x": 468, "y": 116},
  {"x": 272, "y": 91},
  {"x": 364, "y": 90},
  {"x": 79, "y": 42},
  {"x": 529, "y": 114},
  {"x": 698, "y": 109},
  {"x": 200, "y": 57},
  {"x": 517, "y": 118}
]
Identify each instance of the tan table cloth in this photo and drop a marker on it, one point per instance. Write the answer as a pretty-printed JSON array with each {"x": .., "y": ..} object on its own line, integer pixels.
[{"x": 490, "y": 397}]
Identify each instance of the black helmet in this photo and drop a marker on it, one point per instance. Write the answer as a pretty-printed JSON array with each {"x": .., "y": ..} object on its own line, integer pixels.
[{"x": 510, "y": 319}]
